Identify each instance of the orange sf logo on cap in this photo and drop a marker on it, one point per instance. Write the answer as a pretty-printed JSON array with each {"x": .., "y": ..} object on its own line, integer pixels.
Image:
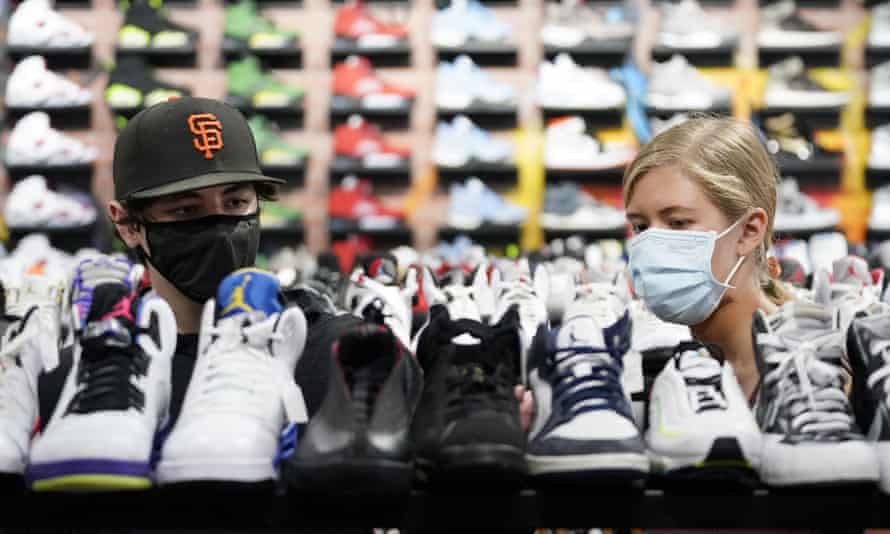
[{"x": 208, "y": 133}]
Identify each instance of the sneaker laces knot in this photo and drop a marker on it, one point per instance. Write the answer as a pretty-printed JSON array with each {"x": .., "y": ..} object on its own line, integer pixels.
[{"x": 586, "y": 378}]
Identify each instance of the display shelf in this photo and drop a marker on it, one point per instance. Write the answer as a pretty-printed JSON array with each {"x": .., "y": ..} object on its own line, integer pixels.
[
  {"x": 400, "y": 234},
  {"x": 63, "y": 118},
  {"x": 399, "y": 174},
  {"x": 286, "y": 117},
  {"x": 802, "y": 233},
  {"x": 720, "y": 56},
  {"x": 486, "y": 116},
  {"x": 288, "y": 57},
  {"x": 823, "y": 170},
  {"x": 877, "y": 235},
  {"x": 79, "y": 176},
  {"x": 389, "y": 56},
  {"x": 273, "y": 238},
  {"x": 810, "y": 3},
  {"x": 67, "y": 239},
  {"x": 720, "y": 108},
  {"x": 591, "y": 53},
  {"x": 594, "y": 118},
  {"x": 587, "y": 234},
  {"x": 875, "y": 178},
  {"x": 182, "y": 57},
  {"x": 294, "y": 175},
  {"x": 483, "y": 54},
  {"x": 272, "y": 3},
  {"x": 489, "y": 173},
  {"x": 876, "y": 116},
  {"x": 832, "y": 510},
  {"x": 814, "y": 118},
  {"x": 875, "y": 55},
  {"x": 611, "y": 176},
  {"x": 822, "y": 56},
  {"x": 486, "y": 234},
  {"x": 393, "y": 117},
  {"x": 56, "y": 58}
]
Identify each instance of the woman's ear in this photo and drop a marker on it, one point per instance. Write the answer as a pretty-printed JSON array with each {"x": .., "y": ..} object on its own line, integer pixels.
[
  {"x": 130, "y": 233},
  {"x": 754, "y": 227}
]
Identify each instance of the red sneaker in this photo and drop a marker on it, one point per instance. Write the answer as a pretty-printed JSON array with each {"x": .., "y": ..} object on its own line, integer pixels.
[
  {"x": 355, "y": 22},
  {"x": 355, "y": 78},
  {"x": 347, "y": 250},
  {"x": 361, "y": 140},
  {"x": 353, "y": 199}
]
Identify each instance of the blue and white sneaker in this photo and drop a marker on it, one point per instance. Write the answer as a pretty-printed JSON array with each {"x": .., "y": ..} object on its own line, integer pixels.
[
  {"x": 467, "y": 20},
  {"x": 462, "y": 84},
  {"x": 584, "y": 424},
  {"x": 462, "y": 142},
  {"x": 472, "y": 204}
]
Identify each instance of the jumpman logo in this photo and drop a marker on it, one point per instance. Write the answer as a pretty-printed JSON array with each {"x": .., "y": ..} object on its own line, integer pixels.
[{"x": 236, "y": 302}]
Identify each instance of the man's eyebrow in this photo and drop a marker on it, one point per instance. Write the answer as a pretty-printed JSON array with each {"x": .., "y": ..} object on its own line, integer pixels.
[
  {"x": 234, "y": 188},
  {"x": 187, "y": 195}
]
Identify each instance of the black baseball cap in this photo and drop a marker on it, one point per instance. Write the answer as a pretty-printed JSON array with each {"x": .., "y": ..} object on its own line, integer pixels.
[{"x": 184, "y": 144}]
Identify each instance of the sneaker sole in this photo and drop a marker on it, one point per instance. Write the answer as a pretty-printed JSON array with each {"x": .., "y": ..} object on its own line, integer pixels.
[
  {"x": 589, "y": 467},
  {"x": 725, "y": 465},
  {"x": 89, "y": 475},
  {"x": 365, "y": 476},
  {"x": 232, "y": 470},
  {"x": 487, "y": 465}
]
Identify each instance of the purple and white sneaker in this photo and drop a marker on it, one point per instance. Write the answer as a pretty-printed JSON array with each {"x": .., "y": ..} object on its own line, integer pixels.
[{"x": 91, "y": 272}]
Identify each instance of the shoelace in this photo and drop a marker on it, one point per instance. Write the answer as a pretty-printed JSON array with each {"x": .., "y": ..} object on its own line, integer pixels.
[
  {"x": 811, "y": 393},
  {"x": 241, "y": 372},
  {"x": 475, "y": 385},
  {"x": 586, "y": 379},
  {"x": 706, "y": 393},
  {"x": 882, "y": 347},
  {"x": 521, "y": 293}
]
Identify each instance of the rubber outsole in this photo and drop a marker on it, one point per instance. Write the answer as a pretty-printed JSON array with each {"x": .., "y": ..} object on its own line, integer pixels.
[
  {"x": 348, "y": 477},
  {"x": 486, "y": 467}
]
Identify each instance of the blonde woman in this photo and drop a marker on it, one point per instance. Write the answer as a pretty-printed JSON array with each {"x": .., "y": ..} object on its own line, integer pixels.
[{"x": 701, "y": 200}]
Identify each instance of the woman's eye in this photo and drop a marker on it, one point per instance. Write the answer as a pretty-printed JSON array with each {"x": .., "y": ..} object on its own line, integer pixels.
[
  {"x": 638, "y": 228},
  {"x": 677, "y": 224}
]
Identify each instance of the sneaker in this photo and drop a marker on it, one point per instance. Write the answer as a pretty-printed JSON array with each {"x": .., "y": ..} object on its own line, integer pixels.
[
  {"x": 31, "y": 204},
  {"x": 34, "y": 24},
  {"x": 825, "y": 248},
  {"x": 659, "y": 125},
  {"x": 782, "y": 27},
  {"x": 568, "y": 146},
  {"x": 558, "y": 84},
  {"x": 242, "y": 385},
  {"x": 528, "y": 294},
  {"x": 146, "y": 27},
  {"x": 879, "y": 30},
  {"x": 31, "y": 343},
  {"x": 33, "y": 142},
  {"x": 355, "y": 80},
  {"x": 249, "y": 85},
  {"x": 653, "y": 344},
  {"x": 272, "y": 149},
  {"x": 789, "y": 86},
  {"x": 373, "y": 389},
  {"x": 567, "y": 207},
  {"x": 793, "y": 273},
  {"x": 473, "y": 204},
  {"x": 462, "y": 84},
  {"x": 465, "y": 21},
  {"x": 789, "y": 140},
  {"x": 879, "y": 219},
  {"x": 855, "y": 291},
  {"x": 31, "y": 85},
  {"x": 700, "y": 424},
  {"x": 796, "y": 249},
  {"x": 867, "y": 344},
  {"x": 377, "y": 298},
  {"x": 461, "y": 143},
  {"x": 879, "y": 85},
  {"x": 120, "y": 380},
  {"x": 584, "y": 427},
  {"x": 355, "y": 22},
  {"x": 354, "y": 200},
  {"x": 362, "y": 141},
  {"x": 685, "y": 25},
  {"x": 245, "y": 25},
  {"x": 467, "y": 428},
  {"x": 132, "y": 85},
  {"x": 879, "y": 151},
  {"x": 675, "y": 85},
  {"x": 810, "y": 437},
  {"x": 797, "y": 212},
  {"x": 571, "y": 24}
]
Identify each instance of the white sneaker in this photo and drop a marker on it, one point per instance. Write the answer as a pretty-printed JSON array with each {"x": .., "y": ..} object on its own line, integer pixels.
[
  {"x": 590, "y": 215},
  {"x": 30, "y": 346},
  {"x": 796, "y": 249},
  {"x": 879, "y": 32},
  {"x": 31, "y": 85},
  {"x": 699, "y": 419},
  {"x": 461, "y": 142},
  {"x": 685, "y": 25},
  {"x": 825, "y": 248},
  {"x": 796, "y": 211},
  {"x": 115, "y": 399},
  {"x": 31, "y": 204},
  {"x": 675, "y": 85},
  {"x": 790, "y": 86},
  {"x": 389, "y": 305},
  {"x": 879, "y": 152},
  {"x": 564, "y": 84},
  {"x": 529, "y": 294},
  {"x": 879, "y": 85},
  {"x": 462, "y": 84},
  {"x": 35, "y": 24},
  {"x": 242, "y": 392},
  {"x": 34, "y": 142},
  {"x": 568, "y": 146},
  {"x": 879, "y": 219},
  {"x": 781, "y": 27}
]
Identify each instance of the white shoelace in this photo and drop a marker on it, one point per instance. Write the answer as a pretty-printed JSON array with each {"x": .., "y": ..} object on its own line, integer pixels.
[
  {"x": 882, "y": 346},
  {"x": 522, "y": 293}
]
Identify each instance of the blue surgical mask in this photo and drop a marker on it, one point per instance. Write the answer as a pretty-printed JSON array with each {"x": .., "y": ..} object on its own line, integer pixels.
[{"x": 671, "y": 272}]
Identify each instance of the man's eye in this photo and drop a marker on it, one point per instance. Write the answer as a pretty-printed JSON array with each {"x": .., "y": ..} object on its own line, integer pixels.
[
  {"x": 238, "y": 203},
  {"x": 183, "y": 211}
]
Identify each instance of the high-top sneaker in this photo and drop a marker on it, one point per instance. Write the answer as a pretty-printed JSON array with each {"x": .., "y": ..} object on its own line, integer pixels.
[
  {"x": 700, "y": 425},
  {"x": 358, "y": 442},
  {"x": 868, "y": 346},
  {"x": 809, "y": 435},
  {"x": 242, "y": 392},
  {"x": 382, "y": 304},
  {"x": 467, "y": 426},
  {"x": 584, "y": 424},
  {"x": 115, "y": 398},
  {"x": 30, "y": 344}
]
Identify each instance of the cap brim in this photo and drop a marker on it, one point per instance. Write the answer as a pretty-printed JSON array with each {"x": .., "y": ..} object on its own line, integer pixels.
[{"x": 206, "y": 180}]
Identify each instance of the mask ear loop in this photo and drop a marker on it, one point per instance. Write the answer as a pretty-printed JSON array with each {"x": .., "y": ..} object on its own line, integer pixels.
[{"x": 741, "y": 260}]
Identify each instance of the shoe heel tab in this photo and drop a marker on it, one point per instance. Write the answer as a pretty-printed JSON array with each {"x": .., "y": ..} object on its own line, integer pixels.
[{"x": 156, "y": 307}]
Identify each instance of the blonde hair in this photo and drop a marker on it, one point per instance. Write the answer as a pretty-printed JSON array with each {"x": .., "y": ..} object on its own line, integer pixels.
[{"x": 729, "y": 162}]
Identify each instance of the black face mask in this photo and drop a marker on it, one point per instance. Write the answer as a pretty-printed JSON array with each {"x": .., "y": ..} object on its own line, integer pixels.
[{"x": 196, "y": 255}]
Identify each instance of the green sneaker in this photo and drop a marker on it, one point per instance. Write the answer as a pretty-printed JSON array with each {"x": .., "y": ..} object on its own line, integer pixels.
[
  {"x": 272, "y": 149},
  {"x": 248, "y": 85},
  {"x": 245, "y": 24},
  {"x": 277, "y": 215}
]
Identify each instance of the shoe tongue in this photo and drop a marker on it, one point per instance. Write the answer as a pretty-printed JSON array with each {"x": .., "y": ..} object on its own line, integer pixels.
[
  {"x": 580, "y": 331},
  {"x": 111, "y": 300},
  {"x": 698, "y": 363},
  {"x": 251, "y": 292},
  {"x": 367, "y": 346}
]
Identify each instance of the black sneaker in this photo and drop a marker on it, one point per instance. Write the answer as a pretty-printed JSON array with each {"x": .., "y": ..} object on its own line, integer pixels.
[
  {"x": 467, "y": 426},
  {"x": 868, "y": 347},
  {"x": 358, "y": 441},
  {"x": 132, "y": 86},
  {"x": 782, "y": 27},
  {"x": 145, "y": 27},
  {"x": 788, "y": 139}
]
